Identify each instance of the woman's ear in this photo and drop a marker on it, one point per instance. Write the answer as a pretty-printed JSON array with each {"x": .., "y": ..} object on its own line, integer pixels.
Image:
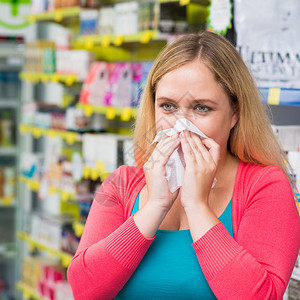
[{"x": 235, "y": 116}]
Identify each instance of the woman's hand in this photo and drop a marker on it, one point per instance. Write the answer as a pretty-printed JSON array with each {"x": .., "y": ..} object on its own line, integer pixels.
[
  {"x": 158, "y": 189},
  {"x": 201, "y": 158}
]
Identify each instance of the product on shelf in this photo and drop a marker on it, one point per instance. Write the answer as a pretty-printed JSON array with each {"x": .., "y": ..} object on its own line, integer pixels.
[
  {"x": 4, "y": 293},
  {"x": 7, "y": 138},
  {"x": 95, "y": 84},
  {"x": 46, "y": 279},
  {"x": 40, "y": 6},
  {"x": 31, "y": 165},
  {"x": 44, "y": 56},
  {"x": 50, "y": 230},
  {"x": 126, "y": 13},
  {"x": 115, "y": 84},
  {"x": 9, "y": 84},
  {"x": 40, "y": 56},
  {"x": 140, "y": 74},
  {"x": 7, "y": 182},
  {"x": 74, "y": 62},
  {"x": 118, "y": 93},
  {"x": 105, "y": 148},
  {"x": 167, "y": 17},
  {"x": 89, "y": 21}
]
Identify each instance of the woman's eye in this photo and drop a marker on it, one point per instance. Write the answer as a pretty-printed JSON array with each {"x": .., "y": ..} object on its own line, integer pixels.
[
  {"x": 202, "y": 108},
  {"x": 167, "y": 106}
]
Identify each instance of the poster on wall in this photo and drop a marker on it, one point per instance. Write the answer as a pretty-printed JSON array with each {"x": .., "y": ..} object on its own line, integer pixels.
[
  {"x": 12, "y": 19},
  {"x": 268, "y": 40}
]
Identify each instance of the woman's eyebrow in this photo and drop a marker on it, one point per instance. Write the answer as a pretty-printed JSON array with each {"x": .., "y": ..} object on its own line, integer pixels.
[{"x": 194, "y": 101}]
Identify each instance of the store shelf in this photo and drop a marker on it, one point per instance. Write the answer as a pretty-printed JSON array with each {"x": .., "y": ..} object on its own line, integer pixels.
[
  {"x": 34, "y": 244},
  {"x": 28, "y": 292},
  {"x": 89, "y": 41},
  {"x": 34, "y": 185},
  {"x": 8, "y": 50},
  {"x": 56, "y": 15},
  {"x": 125, "y": 113},
  {"x": 95, "y": 173},
  {"x": 78, "y": 228},
  {"x": 8, "y": 151},
  {"x": 69, "y": 136},
  {"x": 277, "y": 96},
  {"x": 36, "y": 77},
  {"x": 8, "y": 103},
  {"x": 7, "y": 201},
  {"x": 186, "y": 2},
  {"x": 7, "y": 251}
]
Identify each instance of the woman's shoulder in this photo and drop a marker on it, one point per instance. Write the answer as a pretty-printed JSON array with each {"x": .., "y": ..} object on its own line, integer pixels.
[
  {"x": 124, "y": 177},
  {"x": 255, "y": 171},
  {"x": 251, "y": 175}
]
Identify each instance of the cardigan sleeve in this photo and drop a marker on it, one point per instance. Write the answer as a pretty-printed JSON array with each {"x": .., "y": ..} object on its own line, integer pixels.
[
  {"x": 110, "y": 248},
  {"x": 258, "y": 262}
]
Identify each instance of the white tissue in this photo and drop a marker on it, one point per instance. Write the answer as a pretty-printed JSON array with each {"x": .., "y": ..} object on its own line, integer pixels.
[{"x": 176, "y": 164}]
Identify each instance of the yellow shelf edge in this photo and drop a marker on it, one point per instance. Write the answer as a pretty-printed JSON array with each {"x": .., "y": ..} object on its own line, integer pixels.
[
  {"x": 95, "y": 173},
  {"x": 69, "y": 79},
  {"x": 27, "y": 291},
  {"x": 116, "y": 40},
  {"x": 36, "y": 131},
  {"x": 55, "y": 15},
  {"x": 126, "y": 112},
  {"x": 78, "y": 228},
  {"x": 35, "y": 184},
  {"x": 60, "y": 254}
]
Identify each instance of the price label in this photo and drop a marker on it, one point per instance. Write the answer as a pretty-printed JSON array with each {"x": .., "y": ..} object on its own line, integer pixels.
[
  {"x": 105, "y": 42},
  {"x": 126, "y": 114},
  {"x": 58, "y": 16},
  {"x": 274, "y": 96},
  {"x": 70, "y": 80},
  {"x": 70, "y": 138},
  {"x": 110, "y": 113},
  {"x": 64, "y": 196},
  {"x": 184, "y": 2},
  {"x": 94, "y": 175},
  {"x": 36, "y": 133},
  {"x": 147, "y": 35},
  {"x": 88, "y": 110},
  {"x": 89, "y": 43},
  {"x": 66, "y": 260},
  {"x": 119, "y": 40},
  {"x": 55, "y": 78},
  {"x": 86, "y": 173}
]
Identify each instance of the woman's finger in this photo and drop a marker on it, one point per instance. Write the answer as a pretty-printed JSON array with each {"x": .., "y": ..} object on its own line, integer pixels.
[
  {"x": 188, "y": 152},
  {"x": 213, "y": 148},
  {"x": 200, "y": 147},
  {"x": 196, "y": 145},
  {"x": 163, "y": 150}
]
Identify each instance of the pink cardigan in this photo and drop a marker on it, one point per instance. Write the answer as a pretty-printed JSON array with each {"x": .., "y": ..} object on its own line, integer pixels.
[{"x": 256, "y": 264}]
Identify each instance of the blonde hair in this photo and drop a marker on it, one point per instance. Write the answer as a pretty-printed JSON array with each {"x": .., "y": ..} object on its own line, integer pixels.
[{"x": 251, "y": 139}]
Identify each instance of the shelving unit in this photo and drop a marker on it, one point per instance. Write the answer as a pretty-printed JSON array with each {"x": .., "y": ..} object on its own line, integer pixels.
[
  {"x": 11, "y": 51},
  {"x": 34, "y": 138}
]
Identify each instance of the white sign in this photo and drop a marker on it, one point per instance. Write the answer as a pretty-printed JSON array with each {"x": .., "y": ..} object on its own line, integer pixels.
[
  {"x": 268, "y": 40},
  {"x": 220, "y": 15}
]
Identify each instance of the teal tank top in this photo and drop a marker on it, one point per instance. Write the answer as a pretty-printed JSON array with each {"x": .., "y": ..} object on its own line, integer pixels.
[{"x": 170, "y": 268}]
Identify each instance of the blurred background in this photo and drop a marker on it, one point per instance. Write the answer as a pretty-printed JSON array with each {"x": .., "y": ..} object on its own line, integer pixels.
[{"x": 71, "y": 77}]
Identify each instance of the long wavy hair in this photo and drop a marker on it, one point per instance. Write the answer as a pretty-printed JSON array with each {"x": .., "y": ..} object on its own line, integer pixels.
[{"x": 251, "y": 139}]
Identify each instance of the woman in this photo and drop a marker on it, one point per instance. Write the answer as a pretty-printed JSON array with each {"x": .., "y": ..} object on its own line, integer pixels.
[{"x": 237, "y": 239}]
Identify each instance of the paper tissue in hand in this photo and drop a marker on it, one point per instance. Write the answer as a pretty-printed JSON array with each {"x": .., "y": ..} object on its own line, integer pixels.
[{"x": 176, "y": 164}]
